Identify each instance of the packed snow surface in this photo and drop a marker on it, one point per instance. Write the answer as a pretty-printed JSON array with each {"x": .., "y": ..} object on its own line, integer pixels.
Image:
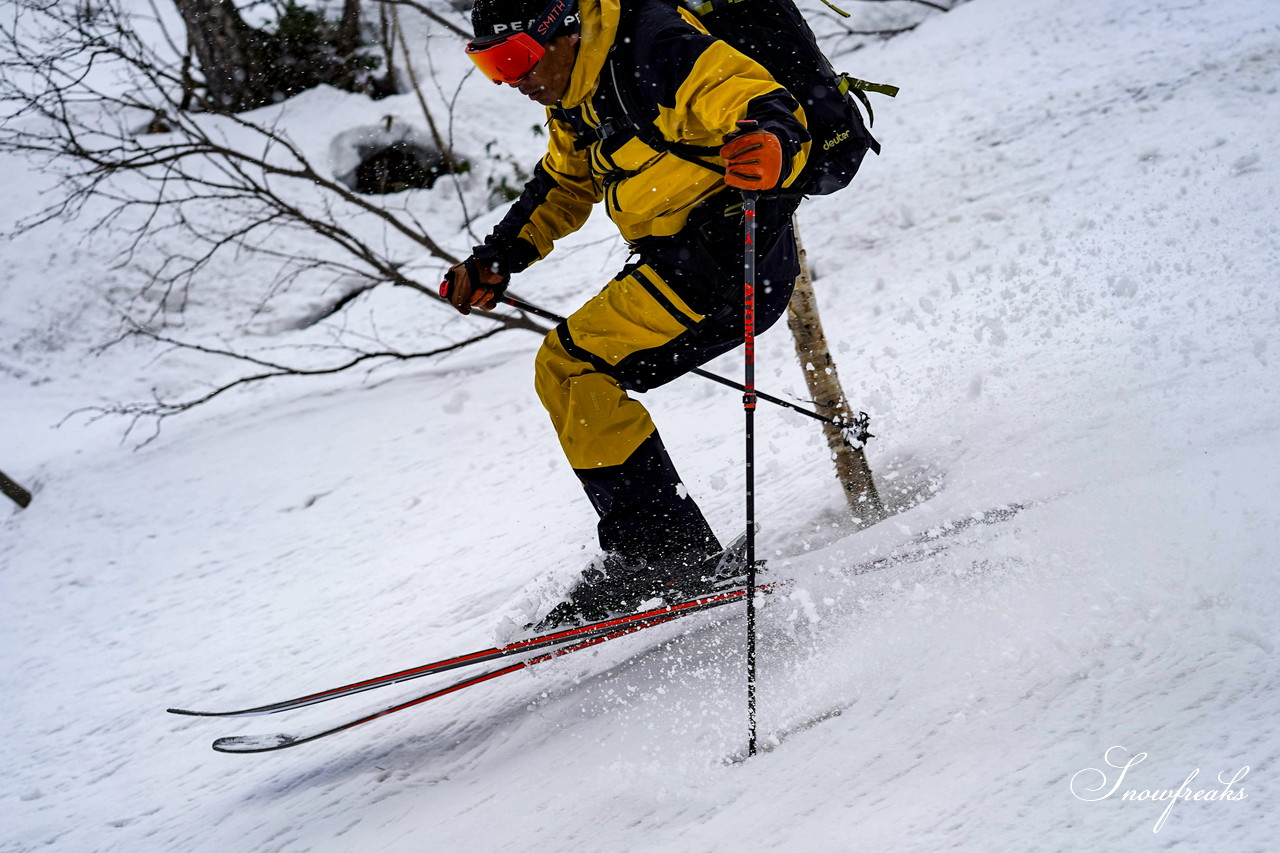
[{"x": 1055, "y": 294}]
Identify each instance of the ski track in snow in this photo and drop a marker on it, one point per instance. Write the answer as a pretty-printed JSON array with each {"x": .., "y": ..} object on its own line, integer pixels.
[{"x": 1056, "y": 289}]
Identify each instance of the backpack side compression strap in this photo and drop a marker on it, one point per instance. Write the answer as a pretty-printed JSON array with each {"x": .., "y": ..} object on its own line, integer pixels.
[{"x": 860, "y": 88}]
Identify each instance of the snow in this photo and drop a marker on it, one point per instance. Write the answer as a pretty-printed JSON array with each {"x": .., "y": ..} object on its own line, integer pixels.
[{"x": 1055, "y": 294}]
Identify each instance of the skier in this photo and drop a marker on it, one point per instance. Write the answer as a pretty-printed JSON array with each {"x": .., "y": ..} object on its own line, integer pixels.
[{"x": 625, "y": 89}]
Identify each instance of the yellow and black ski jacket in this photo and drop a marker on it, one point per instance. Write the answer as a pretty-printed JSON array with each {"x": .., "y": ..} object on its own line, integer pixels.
[{"x": 649, "y": 69}]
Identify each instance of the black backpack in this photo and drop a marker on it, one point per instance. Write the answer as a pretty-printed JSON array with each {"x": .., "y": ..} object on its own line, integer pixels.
[{"x": 775, "y": 34}]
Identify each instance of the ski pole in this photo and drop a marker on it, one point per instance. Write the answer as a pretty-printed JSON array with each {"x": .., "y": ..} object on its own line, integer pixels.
[
  {"x": 749, "y": 409},
  {"x": 853, "y": 428}
]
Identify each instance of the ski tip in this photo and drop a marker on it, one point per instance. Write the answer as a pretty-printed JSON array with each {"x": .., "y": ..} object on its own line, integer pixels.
[
  {"x": 186, "y": 712},
  {"x": 254, "y": 743}
]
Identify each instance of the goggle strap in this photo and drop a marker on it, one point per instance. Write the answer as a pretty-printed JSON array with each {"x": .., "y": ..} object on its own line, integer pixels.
[{"x": 546, "y": 24}]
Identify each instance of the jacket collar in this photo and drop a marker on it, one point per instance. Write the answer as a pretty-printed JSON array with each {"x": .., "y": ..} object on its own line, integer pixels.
[{"x": 599, "y": 28}]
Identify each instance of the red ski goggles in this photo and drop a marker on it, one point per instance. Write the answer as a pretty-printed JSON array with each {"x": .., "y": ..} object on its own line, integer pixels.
[{"x": 505, "y": 58}]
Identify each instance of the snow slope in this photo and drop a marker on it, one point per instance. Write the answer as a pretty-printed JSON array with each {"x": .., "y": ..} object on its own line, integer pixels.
[{"x": 1055, "y": 293}]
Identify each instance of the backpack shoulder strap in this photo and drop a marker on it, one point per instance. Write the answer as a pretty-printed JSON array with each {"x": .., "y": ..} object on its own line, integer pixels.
[{"x": 648, "y": 132}]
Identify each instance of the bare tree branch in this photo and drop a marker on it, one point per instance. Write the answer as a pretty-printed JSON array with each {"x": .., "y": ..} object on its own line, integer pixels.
[
  {"x": 158, "y": 409},
  {"x": 200, "y": 177},
  {"x": 398, "y": 36},
  {"x": 838, "y": 37},
  {"x": 178, "y": 190},
  {"x": 928, "y": 3},
  {"x": 435, "y": 16}
]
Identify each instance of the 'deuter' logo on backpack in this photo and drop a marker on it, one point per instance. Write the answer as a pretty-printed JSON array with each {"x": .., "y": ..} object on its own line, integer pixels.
[{"x": 836, "y": 140}]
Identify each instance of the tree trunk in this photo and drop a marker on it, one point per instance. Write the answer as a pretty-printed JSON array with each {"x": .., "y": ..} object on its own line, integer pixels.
[
  {"x": 16, "y": 493},
  {"x": 348, "y": 38},
  {"x": 236, "y": 73},
  {"x": 823, "y": 383}
]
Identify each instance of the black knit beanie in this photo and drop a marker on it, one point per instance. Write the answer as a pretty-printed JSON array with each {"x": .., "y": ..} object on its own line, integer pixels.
[{"x": 499, "y": 17}]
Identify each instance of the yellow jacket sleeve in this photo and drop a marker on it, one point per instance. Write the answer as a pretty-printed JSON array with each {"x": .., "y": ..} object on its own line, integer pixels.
[{"x": 555, "y": 202}]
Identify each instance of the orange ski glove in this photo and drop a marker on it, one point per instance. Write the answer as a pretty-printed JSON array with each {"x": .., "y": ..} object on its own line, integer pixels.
[{"x": 752, "y": 161}]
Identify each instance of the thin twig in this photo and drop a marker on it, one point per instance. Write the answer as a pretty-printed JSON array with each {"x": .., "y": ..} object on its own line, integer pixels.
[
  {"x": 435, "y": 16},
  {"x": 159, "y": 409}
]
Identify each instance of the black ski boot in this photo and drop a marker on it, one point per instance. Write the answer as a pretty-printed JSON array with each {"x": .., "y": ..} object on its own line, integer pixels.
[
  {"x": 610, "y": 586},
  {"x": 717, "y": 573}
]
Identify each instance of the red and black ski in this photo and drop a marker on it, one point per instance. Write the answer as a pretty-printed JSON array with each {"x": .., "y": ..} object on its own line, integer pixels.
[
  {"x": 559, "y": 643},
  {"x": 531, "y": 644},
  {"x": 273, "y": 742}
]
